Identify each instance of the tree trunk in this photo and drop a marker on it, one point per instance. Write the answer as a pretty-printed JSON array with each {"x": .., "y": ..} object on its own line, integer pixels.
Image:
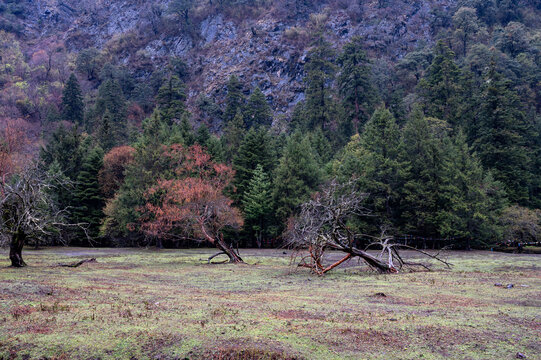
[
  {"x": 16, "y": 249},
  {"x": 357, "y": 110},
  {"x": 229, "y": 251},
  {"x": 222, "y": 246},
  {"x": 259, "y": 234},
  {"x": 373, "y": 261},
  {"x": 258, "y": 241}
]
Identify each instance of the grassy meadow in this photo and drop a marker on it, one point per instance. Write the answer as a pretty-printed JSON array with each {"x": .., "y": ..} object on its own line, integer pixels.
[{"x": 169, "y": 304}]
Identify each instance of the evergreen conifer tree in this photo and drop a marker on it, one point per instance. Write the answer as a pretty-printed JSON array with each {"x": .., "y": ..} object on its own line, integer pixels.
[
  {"x": 296, "y": 176},
  {"x": 322, "y": 147},
  {"x": 110, "y": 99},
  {"x": 420, "y": 155},
  {"x": 500, "y": 137},
  {"x": 148, "y": 164},
  {"x": 171, "y": 99},
  {"x": 355, "y": 85},
  {"x": 90, "y": 202},
  {"x": 471, "y": 199},
  {"x": 258, "y": 112},
  {"x": 64, "y": 148},
  {"x": 373, "y": 159},
  {"x": 72, "y": 101},
  {"x": 105, "y": 136},
  {"x": 233, "y": 135},
  {"x": 203, "y": 135},
  {"x": 215, "y": 149},
  {"x": 320, "y": 71},
  {"x": 440, "y": 85},
  {"x": 257, "y": 204},
  {"x": 186, "y": 130},
  {"x": 255, "y": 149},
  {"x": 234, "y": 99}
]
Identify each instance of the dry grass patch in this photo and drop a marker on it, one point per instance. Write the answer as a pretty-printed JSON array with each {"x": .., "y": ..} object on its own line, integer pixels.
[{"x": 141, "y": 304}]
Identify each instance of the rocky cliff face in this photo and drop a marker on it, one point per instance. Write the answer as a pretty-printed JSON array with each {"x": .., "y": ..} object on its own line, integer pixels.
[{"x": 266, "y": 49}]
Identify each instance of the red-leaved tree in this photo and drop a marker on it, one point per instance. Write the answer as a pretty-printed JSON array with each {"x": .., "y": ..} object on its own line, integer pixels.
[
  {"x": 192, "y": 204},
  {"x": 13, "y": 141},
  {"x": 111, "y": 176}
]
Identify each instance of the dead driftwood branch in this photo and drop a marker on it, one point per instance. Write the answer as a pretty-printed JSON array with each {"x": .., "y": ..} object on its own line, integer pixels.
[
  {"x": 79, "y": 263},
  {"x": 322, "y": 225}
]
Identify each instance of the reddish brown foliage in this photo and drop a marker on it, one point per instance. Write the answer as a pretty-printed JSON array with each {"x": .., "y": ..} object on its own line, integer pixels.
[
  {"x": 192, "y": 205},
  {"x": 111, "y": 176},
  {"x": 136, "y": 114},
  {"x": 13, "y": 141}
]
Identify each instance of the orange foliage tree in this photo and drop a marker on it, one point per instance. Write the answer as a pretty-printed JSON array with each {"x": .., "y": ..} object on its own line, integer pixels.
[
  {"x": 13, "y": 141},
  {"x": 192, "y": 205},
  {"x": 111, "y": 175}
]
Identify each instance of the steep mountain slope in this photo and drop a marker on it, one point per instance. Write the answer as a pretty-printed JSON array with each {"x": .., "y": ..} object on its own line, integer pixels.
[{"x": 265, "y": 45}]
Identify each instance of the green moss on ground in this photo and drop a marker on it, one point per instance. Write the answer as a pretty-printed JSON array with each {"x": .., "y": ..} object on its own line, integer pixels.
[{"x": 169, "y": 304}]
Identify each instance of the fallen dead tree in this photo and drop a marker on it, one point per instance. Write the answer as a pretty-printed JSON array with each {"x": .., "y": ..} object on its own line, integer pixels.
[
  {"x": 322, "y": 225},
  {"x": 79, "y": 263}
]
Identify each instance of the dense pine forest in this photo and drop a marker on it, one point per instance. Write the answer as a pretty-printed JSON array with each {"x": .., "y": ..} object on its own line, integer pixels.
[{"x": 112, "y": 146}]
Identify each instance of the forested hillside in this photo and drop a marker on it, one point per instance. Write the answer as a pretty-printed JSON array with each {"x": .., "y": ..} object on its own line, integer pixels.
[{"x": 168, "y": 122}]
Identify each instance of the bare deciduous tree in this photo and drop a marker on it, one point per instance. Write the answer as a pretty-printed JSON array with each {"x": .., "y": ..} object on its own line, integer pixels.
[
  {"x": 27, "y": 212},
  {"x": 323, "y": 225}
]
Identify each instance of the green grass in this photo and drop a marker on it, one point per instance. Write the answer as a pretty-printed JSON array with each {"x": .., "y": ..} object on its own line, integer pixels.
[{"x": 147, "y": 304}]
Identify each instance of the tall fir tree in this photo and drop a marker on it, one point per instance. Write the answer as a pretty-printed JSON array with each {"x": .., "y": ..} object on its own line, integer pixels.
[
  {"x": 104, "y": 135},
  {"x": 234, "y": 133},
  {"x": 215, "y": 149},
  {"x": 186, "y": 130},
  {"x": 258, "y": 111},
  {"x": 90, "y": 201},
  {"x": 421, "y": 170},
  {"x": 202, "y": 135},
  {"x": 320, "y": 71},
  {"x": 61, "y": 190},
  {"x": 439, "y": 87},
  {"x": 111, "y": 99},
  {"x": 171, "y": 99},
  {"x": 355, "y": 84},
  {"x": 63, "y": 148},
  {"x": 500, "y": 137},
  {"x": 381, "y": 140},
  {"x": 322, "y": 147},
  {"x": 234, "y": 99},
  {"x": 296, "y": 177},
  {"x": 62, "y": 158},
  {"x": 255, "y": 149},
  {"x": 257, "y": 205},
  {"x": 471, "y": 200},
  {"x": 536, "y": 184},
  {"x": 372, "y": 158},
  {"x": 210, "y": 142},
  {"x": 72, "y": 101}
]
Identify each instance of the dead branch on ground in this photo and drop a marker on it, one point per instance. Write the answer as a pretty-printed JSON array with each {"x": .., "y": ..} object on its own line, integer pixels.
[{"x": 322, "y": 225}]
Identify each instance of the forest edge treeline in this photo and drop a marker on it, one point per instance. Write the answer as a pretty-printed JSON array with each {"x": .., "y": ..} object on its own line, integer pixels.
[{"x": 450, "y": 148}]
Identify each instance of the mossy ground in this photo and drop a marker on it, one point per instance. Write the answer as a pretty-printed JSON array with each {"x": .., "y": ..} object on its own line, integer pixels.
[{"x": 168, "y": 304}]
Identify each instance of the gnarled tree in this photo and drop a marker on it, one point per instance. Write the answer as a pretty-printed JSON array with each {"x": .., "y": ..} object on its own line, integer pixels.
[
  {"x": 27, "y": 212},
  {"x": 192, "y": 204},
  {"x": 324, "y": 224}
]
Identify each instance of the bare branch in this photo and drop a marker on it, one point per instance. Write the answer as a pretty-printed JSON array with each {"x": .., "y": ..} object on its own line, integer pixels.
[{"x": 322, "y": 225}]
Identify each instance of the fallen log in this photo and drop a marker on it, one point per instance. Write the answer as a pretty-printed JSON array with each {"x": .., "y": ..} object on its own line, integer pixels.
[{"x": 77, "y": 264}]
